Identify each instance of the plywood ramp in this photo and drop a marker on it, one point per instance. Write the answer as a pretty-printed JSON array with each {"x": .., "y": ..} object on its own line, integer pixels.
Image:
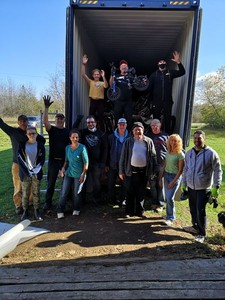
[{"x": 184, "y": 279}]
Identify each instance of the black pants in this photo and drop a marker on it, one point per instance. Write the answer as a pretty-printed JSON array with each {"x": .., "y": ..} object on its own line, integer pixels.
[
  {"x": 123, "y": 109},
  {"x": 54, "y": 165},
  {"x": 197, "y": 204},
  {"x": 136, "y": 189},
  {"x": 96, "y": 109},
  {"x": 112, "y": 178}
]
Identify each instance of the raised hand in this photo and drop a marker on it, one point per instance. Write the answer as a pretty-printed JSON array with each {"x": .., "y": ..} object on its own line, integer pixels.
[
  {"x": 47, "y": 101},
  {"x": 84, "y": 59},
  {"x": 176, "y": 57}
]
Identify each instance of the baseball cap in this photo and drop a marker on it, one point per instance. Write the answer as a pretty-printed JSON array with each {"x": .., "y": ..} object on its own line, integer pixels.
[
  {"x": 60, "y": 116},
  {"x": 161, "y": 61},
  {"x": 123, "y": 61},
  {"x": 137, "y": 124},
  {"x": 22, "y": 117},
  {"x": 122, "y": 120}
]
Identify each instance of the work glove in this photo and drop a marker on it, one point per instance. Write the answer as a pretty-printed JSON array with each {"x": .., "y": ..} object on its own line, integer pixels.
[
  {"x": 214, "y": 192},
  {"x": 47, "y": 101},
  {"x": 183, "y": 189},
  {"x": 184, "y": 193}
]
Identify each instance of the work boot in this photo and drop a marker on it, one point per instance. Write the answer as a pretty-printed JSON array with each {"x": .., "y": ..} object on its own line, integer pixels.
[
  {"x": 37, "y": 215},
  {"x": 24, "y": 215},
  {"x": 19, "y": 210}
]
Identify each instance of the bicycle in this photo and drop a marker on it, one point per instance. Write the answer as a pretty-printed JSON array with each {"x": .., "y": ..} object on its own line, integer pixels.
[{"x": 140, "y": 83}]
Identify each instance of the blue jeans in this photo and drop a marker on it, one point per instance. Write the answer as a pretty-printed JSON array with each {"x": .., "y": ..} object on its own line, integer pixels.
[
  {"x": 67, "y": 183},
  {"x": 170, "y": 195}
]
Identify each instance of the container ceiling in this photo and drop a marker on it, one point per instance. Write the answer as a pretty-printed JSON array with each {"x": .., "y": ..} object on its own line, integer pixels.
[{"x": 140, "y": 36}]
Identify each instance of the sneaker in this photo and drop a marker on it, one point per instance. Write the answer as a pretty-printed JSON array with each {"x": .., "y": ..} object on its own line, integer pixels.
[
  {"x": 200, "y": 239},
  {"x": 127, "y": 216},
  {"x": 19, "y": 210},
  {"x": 159, "y": 209},
  {"x": 76, "y": 213},
  {"x": 190, "y": 229},
  {"x": 60, "y": 215},
  {"x": 37, "y": 215},
  {"x": 169, "y": 222},
  {"x": 142, "y": 215}
]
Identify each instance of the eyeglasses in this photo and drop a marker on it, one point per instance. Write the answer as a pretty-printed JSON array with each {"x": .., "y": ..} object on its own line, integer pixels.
[{"x": 31, "y": 133}]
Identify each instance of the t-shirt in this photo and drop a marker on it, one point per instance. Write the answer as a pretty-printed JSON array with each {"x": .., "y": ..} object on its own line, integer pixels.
[
  {"x": 96, "y": 90},
  {"x": 58, "y": 140},
  {"x": 172, "y": 161},
  {"x": 77, "y": 159}
]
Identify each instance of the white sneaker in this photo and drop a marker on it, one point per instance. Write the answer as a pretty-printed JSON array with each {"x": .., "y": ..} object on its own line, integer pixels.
[
  {"x": 60, "y": 215},
  {"x": 76, "y": 213},
  {"x": 169, "y": 222},
  {"x": 190, "y": 229},
  {"x": 200, "y": 239}
]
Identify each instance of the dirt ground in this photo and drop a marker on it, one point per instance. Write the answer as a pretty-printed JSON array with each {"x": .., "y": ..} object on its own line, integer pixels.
[{"x": 103, "y": 234}]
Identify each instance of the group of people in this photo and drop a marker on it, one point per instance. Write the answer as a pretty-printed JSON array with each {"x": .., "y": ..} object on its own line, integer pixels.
[
  {"x": 159, "y": 92},
  {"x": 127, "y": 155}
]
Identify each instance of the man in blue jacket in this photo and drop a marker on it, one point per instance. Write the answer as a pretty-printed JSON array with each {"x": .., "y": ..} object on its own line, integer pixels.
[{"x": 115, "y": 144}]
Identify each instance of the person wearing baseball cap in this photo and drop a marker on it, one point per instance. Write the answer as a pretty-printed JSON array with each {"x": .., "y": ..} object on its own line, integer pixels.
[
  {"x": 137, "y": 163},
  {"x": 159, "y": 139},
  {"x": 60, "y": 116},
  {"x": 124, "y": 105},
  {"x": 58, "y": 140},
  {"x": 18, "y": 135},
  {"x": 115, "y": 144},
  {"x": 160, "y": 90},
  {"x": 22, "y": 117}
]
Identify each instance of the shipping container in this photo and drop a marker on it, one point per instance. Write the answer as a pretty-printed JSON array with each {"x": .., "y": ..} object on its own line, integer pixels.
[{"x": 142, "y": 32}]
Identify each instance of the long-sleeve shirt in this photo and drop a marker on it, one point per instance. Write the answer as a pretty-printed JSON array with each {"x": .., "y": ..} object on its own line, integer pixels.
[
  {"x": 17, "y": 136},
  {"x": 202, "y": 169}
]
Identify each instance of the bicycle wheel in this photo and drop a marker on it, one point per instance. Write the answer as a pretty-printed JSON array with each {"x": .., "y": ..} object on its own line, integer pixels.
[
  {"x": 113, "y": 95},
  {"x": 141, "y": 83}
]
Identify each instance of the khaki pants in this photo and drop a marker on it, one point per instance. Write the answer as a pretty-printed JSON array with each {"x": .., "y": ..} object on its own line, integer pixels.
[{"x": 17, "y": 195}]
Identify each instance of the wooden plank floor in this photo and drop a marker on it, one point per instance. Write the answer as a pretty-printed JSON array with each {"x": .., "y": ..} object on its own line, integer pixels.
[{"x": 185, "y": 279}]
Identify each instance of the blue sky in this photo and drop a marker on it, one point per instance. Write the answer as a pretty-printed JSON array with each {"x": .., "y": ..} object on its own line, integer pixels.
[{"x": 33, "y": 39}]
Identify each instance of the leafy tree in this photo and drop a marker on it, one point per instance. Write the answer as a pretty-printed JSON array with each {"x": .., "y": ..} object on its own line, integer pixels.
[{"x": 210, "y": 95}]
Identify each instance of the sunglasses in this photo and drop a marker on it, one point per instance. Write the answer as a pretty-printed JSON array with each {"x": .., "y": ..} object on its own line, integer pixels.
[{"x": 31, "y": 133}]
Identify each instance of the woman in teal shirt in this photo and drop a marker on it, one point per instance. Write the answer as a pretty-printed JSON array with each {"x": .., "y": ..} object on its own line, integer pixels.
[
  {"x": 172, "y": 171},
  {"x": 74, "y": 173}
]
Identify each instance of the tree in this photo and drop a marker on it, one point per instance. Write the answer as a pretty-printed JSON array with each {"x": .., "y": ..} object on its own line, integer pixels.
[
  {"x": 210, "y": 95},
  {"x": 57, "y": 88}
]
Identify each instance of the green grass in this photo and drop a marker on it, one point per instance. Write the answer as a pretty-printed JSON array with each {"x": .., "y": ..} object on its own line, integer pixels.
[{"x": 214, "y": 138}]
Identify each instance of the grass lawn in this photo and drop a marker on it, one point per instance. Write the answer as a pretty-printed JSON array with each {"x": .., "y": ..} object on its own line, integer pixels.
[{"x": 214, "y": 138}]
